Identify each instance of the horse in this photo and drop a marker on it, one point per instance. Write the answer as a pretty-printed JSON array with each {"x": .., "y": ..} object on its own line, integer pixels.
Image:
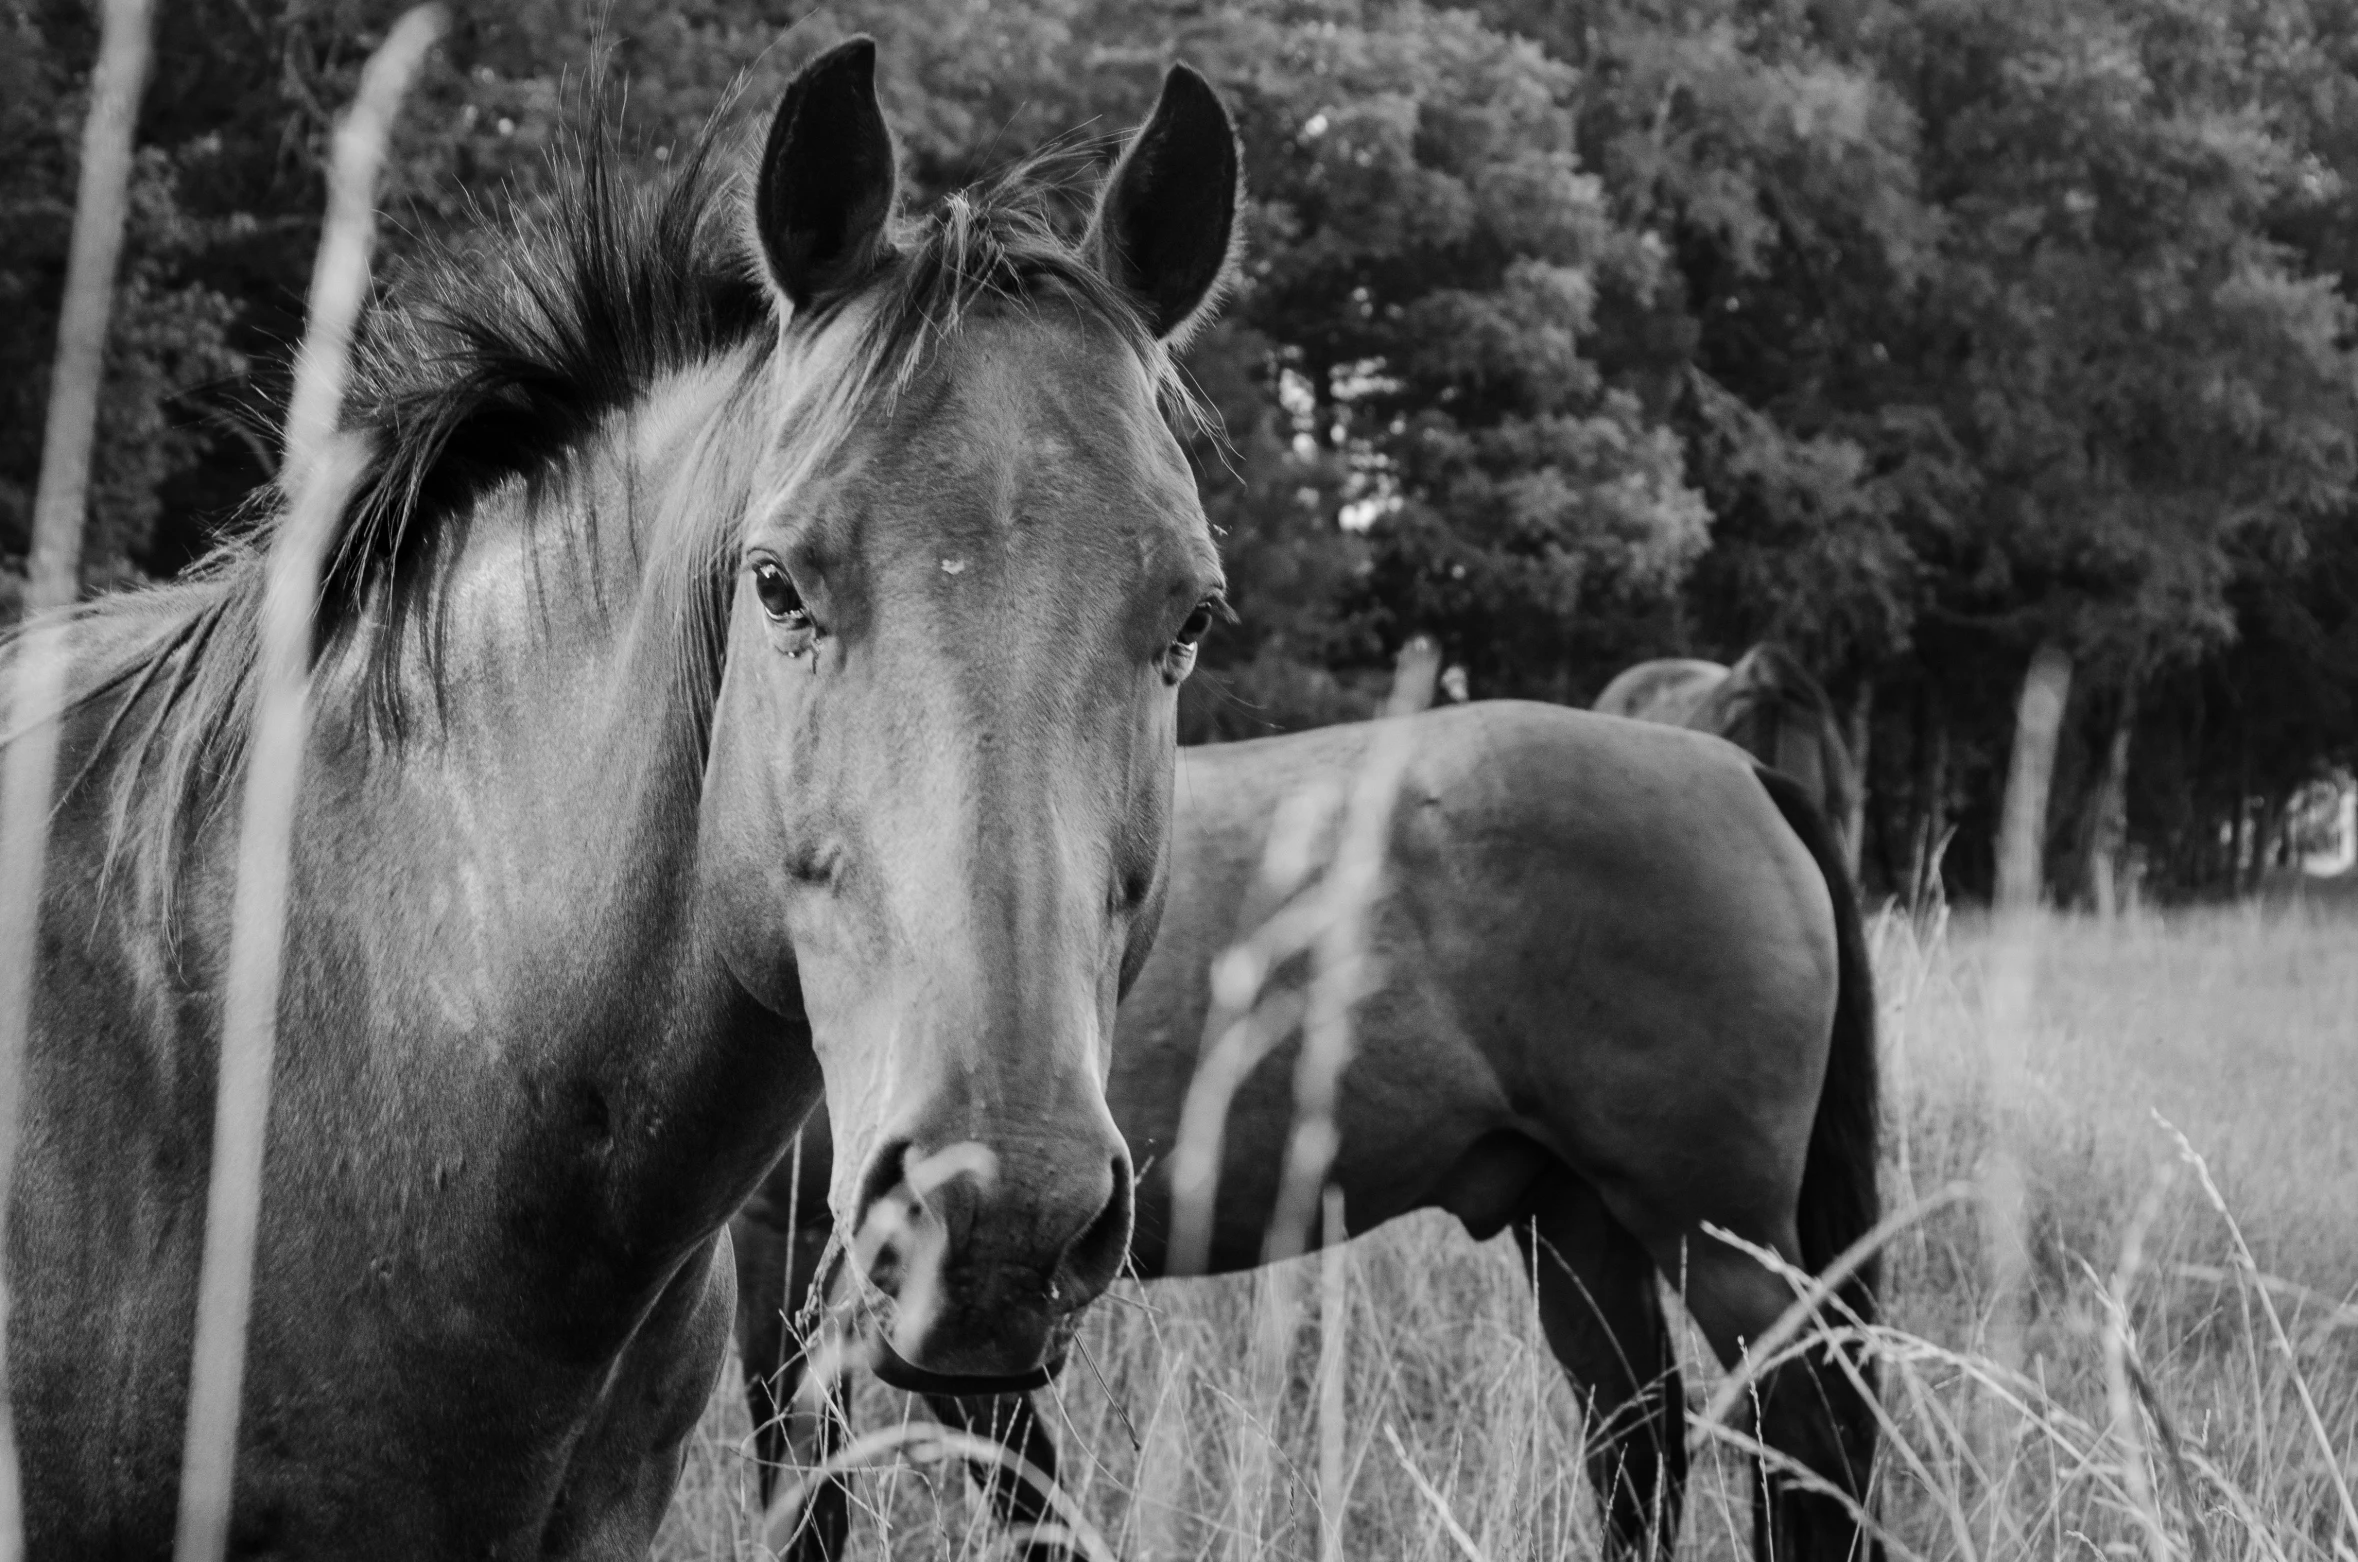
[
  {"x": 746, "y": 671},
  {"x": 1623, "y": 994},
  {"x": 1767, "y": 704}
]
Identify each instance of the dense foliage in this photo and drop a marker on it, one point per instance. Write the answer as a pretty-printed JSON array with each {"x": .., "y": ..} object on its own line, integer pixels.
[{"x": 1913, "y": 333}]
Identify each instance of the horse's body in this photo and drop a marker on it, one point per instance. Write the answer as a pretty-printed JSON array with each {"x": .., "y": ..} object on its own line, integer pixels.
[
  {"x": 1622, "y": 996},
  {"x": 1767, "y": 704},
  {"x": 645, "y": 730}
]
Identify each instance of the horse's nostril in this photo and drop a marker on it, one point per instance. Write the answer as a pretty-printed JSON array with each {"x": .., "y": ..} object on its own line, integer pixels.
[
  {"x": 876, "y": 1216},
  {"x": 887, "y": 1169},
  {"x": 1123, "y": 1193},
  {"x": 1095, "y": 1256}
]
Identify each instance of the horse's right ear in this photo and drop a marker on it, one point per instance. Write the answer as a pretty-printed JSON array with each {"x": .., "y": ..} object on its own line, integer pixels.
[{"x": 823, "y": 202}]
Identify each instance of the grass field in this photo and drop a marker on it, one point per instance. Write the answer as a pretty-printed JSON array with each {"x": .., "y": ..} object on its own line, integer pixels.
[{"x": 2238, "y": 1027}]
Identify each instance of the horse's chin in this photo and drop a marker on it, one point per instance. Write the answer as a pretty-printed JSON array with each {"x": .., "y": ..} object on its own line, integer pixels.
[{"x": 896, "y": 1371}]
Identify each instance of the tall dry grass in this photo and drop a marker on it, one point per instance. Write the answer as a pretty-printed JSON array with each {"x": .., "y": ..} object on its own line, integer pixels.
[
  {"x": 2239, "y": 1028},
  {"x": 319, "y": 466}
]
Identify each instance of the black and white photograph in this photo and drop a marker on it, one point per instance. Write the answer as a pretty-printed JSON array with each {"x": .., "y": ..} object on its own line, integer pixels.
[{"x": 1171, "y": 781}]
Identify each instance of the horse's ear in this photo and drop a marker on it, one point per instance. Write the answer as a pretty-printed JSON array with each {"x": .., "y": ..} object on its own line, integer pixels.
[
  {"x": 1166, "y": 225},
  {"x": 823, "y": 203}
]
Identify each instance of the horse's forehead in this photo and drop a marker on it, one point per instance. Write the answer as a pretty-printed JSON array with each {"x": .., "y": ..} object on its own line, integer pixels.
[
  {"x": 1035, "y": 423},
  {"x": 1054, "y": 388}
]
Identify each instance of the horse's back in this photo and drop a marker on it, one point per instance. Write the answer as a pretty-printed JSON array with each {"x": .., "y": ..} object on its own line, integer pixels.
[
  {"x": 1767, "y": 703},
  {"x": 1668, "y": 690}
]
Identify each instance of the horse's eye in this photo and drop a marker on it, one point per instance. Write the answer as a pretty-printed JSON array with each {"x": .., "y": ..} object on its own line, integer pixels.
[
  {"x": 779, "y": 599},
  {"x": 1198, "y": 624}
]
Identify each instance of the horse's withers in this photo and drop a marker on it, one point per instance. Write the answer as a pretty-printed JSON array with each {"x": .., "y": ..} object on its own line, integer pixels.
[{"x": 937, "y": 803}]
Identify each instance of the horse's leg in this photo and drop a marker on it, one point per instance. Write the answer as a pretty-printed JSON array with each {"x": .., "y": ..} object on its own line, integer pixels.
[
  {"x": 1811, "y": 1411},
  {"x": 776, "y": 1269},
  {"x": 775, "y": 1272},
  {"x": 1818, "y": 1410},
  {"x": 824, "y": 1533},
  {"x": 763, "y": 1346},
  {"x": 1594, "y": 1284},
  {"x": 1010, "y": 1421}
]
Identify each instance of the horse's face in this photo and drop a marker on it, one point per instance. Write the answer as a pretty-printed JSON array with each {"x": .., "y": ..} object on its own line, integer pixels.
[{"x": 939, "y": 790}]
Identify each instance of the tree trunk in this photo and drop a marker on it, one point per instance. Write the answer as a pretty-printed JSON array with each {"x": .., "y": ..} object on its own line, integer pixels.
[
  {"x": 1932, "y": 797},
  {"x": 2030, "y": 770},
  {"x": 2108, "y": 830},
  {"x": 2240, "y": 851},
  {"x": 1861, "y": 734}
]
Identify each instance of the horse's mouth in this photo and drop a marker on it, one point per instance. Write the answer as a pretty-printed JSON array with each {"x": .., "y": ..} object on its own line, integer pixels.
[{"x": 897, "y": 1371}]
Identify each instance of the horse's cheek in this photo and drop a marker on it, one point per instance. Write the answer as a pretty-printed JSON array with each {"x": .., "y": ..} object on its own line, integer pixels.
[{"x": 742, "y": 880}]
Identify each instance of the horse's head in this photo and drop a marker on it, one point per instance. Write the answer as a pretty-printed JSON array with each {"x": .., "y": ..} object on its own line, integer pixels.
[{"x": 937, "y": 802}]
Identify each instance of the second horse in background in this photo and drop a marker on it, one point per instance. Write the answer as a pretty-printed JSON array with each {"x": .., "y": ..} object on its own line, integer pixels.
[{"x": 1623, "y": 996}]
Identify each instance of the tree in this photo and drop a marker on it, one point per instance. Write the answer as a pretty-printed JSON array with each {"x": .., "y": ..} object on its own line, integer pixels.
[
  {"x": 1915, "y": 334},
  {"x": 2142, "y": 376},
  {"x": 169, "y": 332}
]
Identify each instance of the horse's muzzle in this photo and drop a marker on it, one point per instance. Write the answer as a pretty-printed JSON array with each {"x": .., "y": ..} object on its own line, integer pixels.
[{"x": 987, "y": 1272}]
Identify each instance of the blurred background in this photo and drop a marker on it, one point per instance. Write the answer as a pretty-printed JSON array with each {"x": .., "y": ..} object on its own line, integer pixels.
[{"x": 1914, "y": 335}]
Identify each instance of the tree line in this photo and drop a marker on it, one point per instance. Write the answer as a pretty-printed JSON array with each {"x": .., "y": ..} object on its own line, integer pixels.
[{"x": 1929, "y": 338}]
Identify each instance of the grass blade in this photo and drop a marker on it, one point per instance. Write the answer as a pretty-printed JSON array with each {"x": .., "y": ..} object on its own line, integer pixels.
[
  {"x": 321, "y": 466},
  {"x": 38, "y": 671}
]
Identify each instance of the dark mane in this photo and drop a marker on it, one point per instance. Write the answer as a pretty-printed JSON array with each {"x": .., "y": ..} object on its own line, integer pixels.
[
  {"x": 496, "y": 361},
  {"x": 494, "y": 365}
]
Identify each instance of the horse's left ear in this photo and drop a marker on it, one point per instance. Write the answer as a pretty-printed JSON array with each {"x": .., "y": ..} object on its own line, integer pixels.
[
  {"x": 823, "y": 202},
  {"x": 1166, "y": 225}
]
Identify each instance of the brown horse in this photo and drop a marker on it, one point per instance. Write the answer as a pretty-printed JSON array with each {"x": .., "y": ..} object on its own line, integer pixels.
[
  {"x": 1624, "y": 995},
  {"x": 749, "y": 664},
  {"x": 1768, "y": 705}
]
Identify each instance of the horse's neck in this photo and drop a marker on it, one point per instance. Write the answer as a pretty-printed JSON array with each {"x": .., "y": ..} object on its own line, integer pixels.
[{"x": 505, "y": 894}]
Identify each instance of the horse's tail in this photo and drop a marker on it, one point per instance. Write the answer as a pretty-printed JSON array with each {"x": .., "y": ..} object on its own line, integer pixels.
[
  {"x": 1839, "y": 1199},
  {"x": 1773, "y": 676}
]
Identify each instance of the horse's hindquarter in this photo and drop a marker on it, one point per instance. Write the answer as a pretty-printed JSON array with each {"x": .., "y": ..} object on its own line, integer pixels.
[
  {"x": 1645, "y": 954},
  {"x": 1599, "y": 943},
  {"x": 1395, "y": 1113}
]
